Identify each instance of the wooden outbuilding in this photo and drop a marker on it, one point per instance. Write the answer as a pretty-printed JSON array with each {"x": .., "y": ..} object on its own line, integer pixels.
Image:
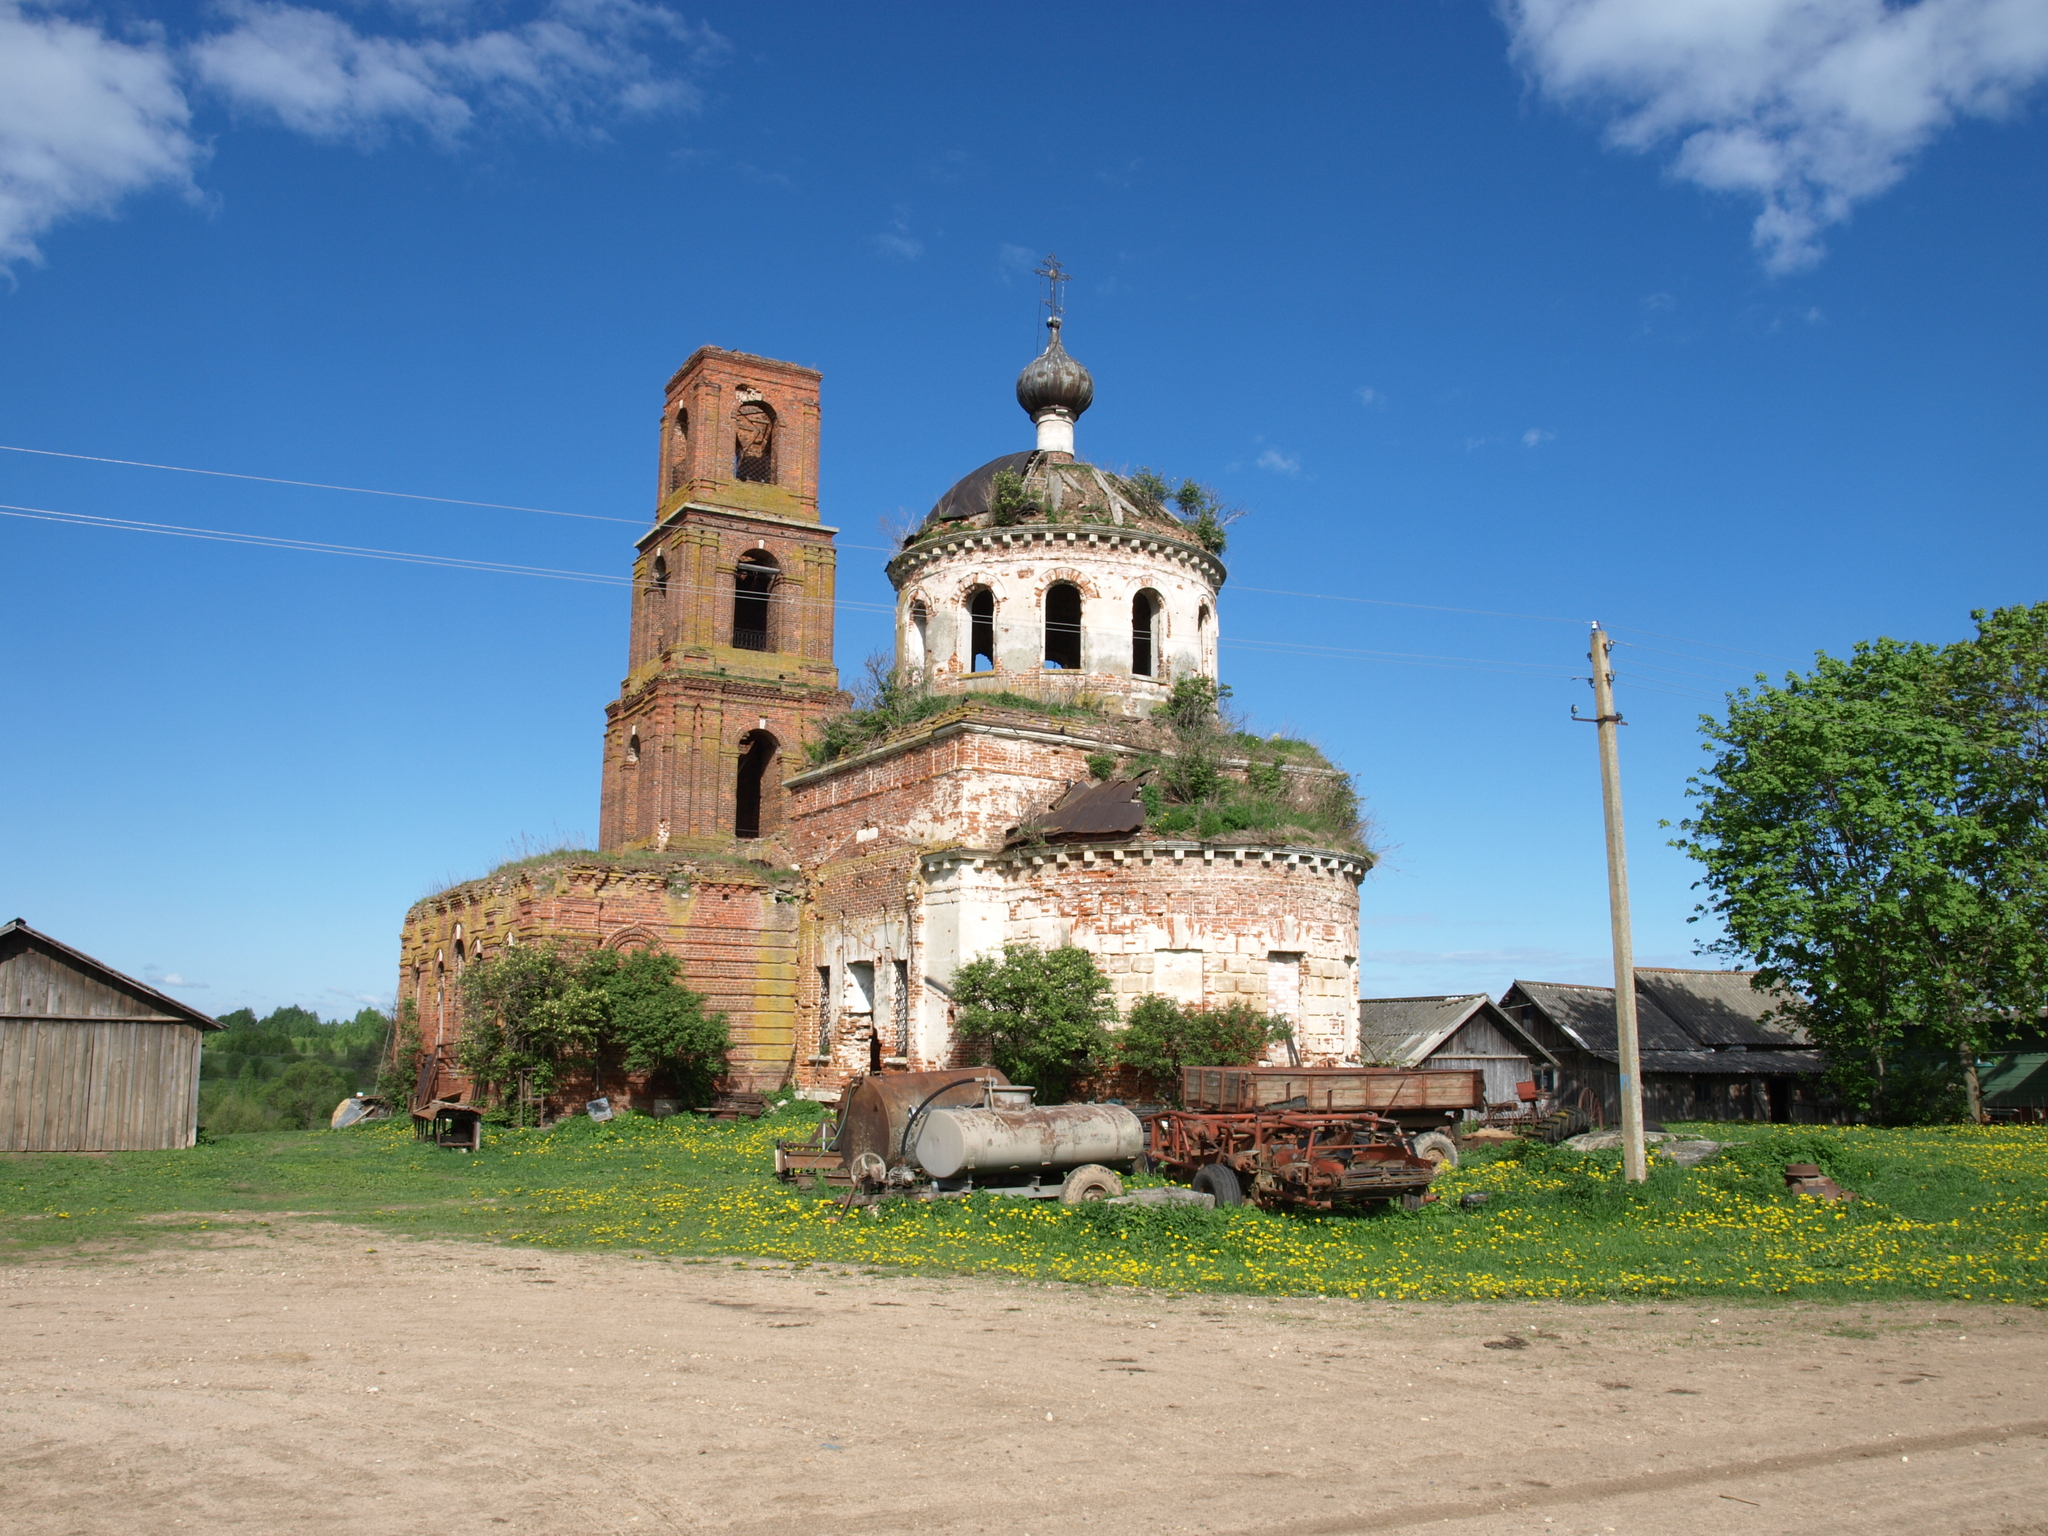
[
  {"x": 1714, "y": 1047},
  {"x": 1459, "y": 1030},
  {"x": 91, "y": 1060}
]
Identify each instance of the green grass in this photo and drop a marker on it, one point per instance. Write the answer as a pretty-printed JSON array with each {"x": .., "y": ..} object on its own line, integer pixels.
[{"x": 1949, "y": 1212}]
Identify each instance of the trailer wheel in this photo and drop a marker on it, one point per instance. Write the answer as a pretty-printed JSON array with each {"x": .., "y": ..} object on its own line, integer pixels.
[
  {"x": 1090, "y": 1182},
  {"x": 1436, "y": 1147},
  {"x": 1221, "y": 1181}
]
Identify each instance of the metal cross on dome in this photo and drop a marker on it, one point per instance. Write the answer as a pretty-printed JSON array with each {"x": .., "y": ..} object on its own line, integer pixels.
[{"x": 1055, "y": 277}]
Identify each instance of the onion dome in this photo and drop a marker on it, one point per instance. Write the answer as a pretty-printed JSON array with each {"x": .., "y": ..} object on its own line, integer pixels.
[{"x": 1054, "y": 383}]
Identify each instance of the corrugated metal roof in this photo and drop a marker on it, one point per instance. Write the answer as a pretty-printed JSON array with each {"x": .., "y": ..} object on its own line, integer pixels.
[
  {"x": 1719, "y": 1007},
  {"x": 1587, "y": 1015},
  {"x": 2018, "y": 1081},
  {"x": 1681, "y": 1018},
  {"x": 1404, "y": 1030}
]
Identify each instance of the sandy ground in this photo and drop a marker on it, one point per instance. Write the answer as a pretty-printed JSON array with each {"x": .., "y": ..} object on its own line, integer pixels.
[{"x": 304, "y": 1377}]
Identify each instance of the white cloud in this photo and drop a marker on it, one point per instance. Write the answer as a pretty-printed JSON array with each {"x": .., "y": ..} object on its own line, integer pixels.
[
  {"x": 159, "y": 978},
  {"x": 88, "y": 117},
  {"x": 1810, "y": 106},
  {"x": 1279, "y": 463},
  {"x": 1658, "y": 303},
  {"x": 578, "y": 60},
  {"x": 85, "y": 120},
  {"x": 1537, "y": 436},
  {"x": 1370, "y": 397},
  {"x": 897, "y": 241}
]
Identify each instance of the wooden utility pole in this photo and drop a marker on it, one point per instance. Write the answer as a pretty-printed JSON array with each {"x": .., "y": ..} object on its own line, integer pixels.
[{"x": 1635, "y": 1161}]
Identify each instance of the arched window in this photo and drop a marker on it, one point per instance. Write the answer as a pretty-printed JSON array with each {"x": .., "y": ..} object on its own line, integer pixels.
[
  {"x": 1145, "y": 634},
  {"x": 633, "y": 748},
  {"x": 981, "y": 625},
  {"x": 679, "y": 450},
  {"x": 1063, "y": 626},
  {"x": 917, "y": 637},
  {"x": 1204, "y": 642},
  {"x": 753, "y": 582},
  {"x": 757, "y": 752},
  {"x": 657, "y": 585},
  {"x": 753, "y": 442}
]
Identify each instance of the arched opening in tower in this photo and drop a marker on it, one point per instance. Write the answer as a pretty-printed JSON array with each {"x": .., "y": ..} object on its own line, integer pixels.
[
  {"x": 981, "y": 624},
  {"x": 1063, "y": 626},
  {"x": 1145, "y": 634},
  {"x": 757, "y": 754},
  {"x": 753, "y": 445},
  {"x": 916, "y": 638},
  {"x": 753, "y": 587}
]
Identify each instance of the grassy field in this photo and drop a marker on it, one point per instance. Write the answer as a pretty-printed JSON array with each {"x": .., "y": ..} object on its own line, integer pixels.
[{"x": 1952, "y": 1212}]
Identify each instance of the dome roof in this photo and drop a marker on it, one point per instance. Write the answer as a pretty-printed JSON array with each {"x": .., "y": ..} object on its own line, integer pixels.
[
  {"x": 969, "y": 495},
  {"x": 1054, "y": 381},
  {"x": 1067, "y": 489}
]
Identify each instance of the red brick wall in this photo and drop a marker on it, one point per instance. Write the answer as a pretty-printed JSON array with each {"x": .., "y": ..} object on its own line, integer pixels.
[{"x": 735, "y": 933}]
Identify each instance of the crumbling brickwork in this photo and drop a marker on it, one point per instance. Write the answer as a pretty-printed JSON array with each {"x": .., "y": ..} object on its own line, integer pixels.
[{"x": 734, "y": 929}]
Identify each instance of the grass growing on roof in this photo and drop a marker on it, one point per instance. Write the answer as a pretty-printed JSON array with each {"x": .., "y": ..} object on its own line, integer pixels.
[{"x": 1957, "y": 1213}]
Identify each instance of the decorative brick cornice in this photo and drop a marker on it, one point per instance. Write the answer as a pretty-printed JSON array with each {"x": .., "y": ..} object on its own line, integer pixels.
[
  {"x": 739, "y": 517},
  {"x": 1090, "y": 736},
  {"x": 1183, "y": 856},
  {"x": 1041, "y": 539}
]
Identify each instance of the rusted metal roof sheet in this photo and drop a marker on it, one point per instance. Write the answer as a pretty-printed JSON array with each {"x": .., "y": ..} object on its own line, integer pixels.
[{"x": 1094, "y": 812}]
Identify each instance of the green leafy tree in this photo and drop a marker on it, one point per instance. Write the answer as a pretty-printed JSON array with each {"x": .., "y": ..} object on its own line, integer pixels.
[
  {"x": 653, "y": 1021},
  {"x": 1160, "y": 1037},
  {"x": 1041, "y": 1015},
  {"x": 534, "y": 1012},
  {"x": 1871, "y": 837}
]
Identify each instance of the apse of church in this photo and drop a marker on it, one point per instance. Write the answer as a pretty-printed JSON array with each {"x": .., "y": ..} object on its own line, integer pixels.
[{"x": 827, "y": 905}]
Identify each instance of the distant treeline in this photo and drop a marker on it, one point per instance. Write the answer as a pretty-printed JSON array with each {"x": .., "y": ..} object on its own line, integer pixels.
[{"x": 287, "y": 1070}]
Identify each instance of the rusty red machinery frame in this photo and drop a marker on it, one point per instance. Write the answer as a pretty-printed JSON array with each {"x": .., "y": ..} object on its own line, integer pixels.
[{"x": 1293, "y": 1158}]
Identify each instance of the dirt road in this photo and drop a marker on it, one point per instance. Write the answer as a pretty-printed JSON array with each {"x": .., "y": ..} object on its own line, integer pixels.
[{"x": 305, "y": 1378}]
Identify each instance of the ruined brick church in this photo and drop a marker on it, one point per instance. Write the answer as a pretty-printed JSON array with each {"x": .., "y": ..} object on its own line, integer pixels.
[{"x": 826, "y": 903}]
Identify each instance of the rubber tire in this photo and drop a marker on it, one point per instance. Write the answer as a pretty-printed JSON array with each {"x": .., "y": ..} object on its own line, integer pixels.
[
  {"x": 1221, "y": 1181},
  {"x": 1436, "y": 1147},
  {"x": 1088, "y": 1183}
]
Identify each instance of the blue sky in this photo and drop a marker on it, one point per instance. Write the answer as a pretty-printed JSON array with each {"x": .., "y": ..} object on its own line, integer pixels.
[{"x": 1720, "y": 321}]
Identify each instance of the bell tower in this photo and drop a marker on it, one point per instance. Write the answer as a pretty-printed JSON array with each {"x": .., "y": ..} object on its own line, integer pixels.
[{"x": 729, "y": 655}]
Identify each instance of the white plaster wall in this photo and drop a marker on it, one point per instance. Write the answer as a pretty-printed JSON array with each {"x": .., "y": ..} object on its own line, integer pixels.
[{"x": 1109, "y": 576}]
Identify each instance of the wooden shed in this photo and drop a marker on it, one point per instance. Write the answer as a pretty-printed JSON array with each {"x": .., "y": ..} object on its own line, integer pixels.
[
  {"x": 1458, "y": 1030},
  {"x": 1714, "y": 1047},
  {"x": 91, "y": 1060}
]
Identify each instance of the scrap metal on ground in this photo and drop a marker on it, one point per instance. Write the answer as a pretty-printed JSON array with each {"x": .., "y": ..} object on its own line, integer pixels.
[{"x": 1328, "y": 1145}]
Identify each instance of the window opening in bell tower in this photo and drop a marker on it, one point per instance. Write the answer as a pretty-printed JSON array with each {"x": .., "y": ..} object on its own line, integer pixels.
[
  {"x": 753, "y": 587},
  {"x": 917, "y": 638},
  {"x": 1063, "y": 626},
  {"x": 981, "y": 615},
  {"x": 1144, "y": 633},
  {"x": 757, "y": 751},
  {"x": 679, "y": 460},
  {"x": 753, "y": 452}
]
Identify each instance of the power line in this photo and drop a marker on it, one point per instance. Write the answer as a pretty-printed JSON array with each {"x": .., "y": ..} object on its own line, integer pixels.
[
  {"x": 399, "y": 556},
  {"x": 1494, "y": 666},
  {"x": 316, "y": 485},
  {"x": 594, "y": 517}
]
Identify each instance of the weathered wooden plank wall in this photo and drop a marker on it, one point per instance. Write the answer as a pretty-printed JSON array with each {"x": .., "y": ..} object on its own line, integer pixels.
[{"x": 113, "y": 1085}]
